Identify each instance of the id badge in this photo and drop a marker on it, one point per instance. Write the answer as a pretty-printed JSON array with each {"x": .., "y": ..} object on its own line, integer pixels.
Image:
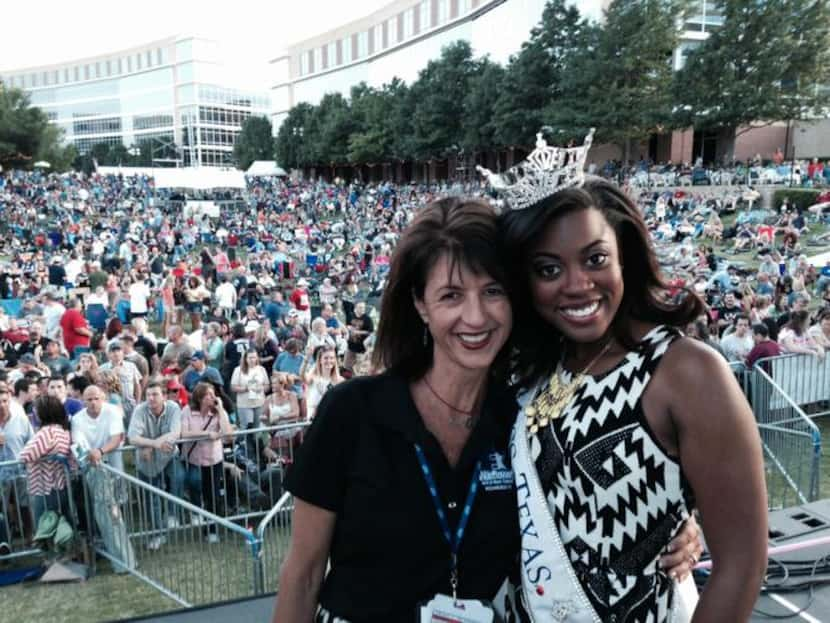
[{"x": 444, "y": 609}]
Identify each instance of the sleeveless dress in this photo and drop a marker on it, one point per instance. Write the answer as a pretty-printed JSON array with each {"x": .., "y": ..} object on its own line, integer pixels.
[{"x": 616, "y": 496}]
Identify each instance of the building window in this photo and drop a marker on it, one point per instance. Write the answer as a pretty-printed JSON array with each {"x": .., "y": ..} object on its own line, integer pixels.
[
  {"x": 66, "y": 74},
  {"x": 443, "y": 11},
  {"x": 138, "y": 62},
  {"x": 86, "y": 72},
  {"x": 408, "y": 17},
  {"x": 392, "y": 31},
  {"x": 129, "y": 64},
  {"x": 347, "y": 50},
  {"x": 317, "y": 62},
  {"x": 149, "y": 58},
  {"x": 362, "y": 44},
  {"x": 304, "y": 64},
  {"x": 77, "y": 73}
]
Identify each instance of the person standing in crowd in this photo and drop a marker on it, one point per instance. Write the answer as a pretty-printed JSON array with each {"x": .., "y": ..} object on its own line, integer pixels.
[
  {"x": 795, "y": 338},
  {"x": 322, "y": 377},
  {"x": 292, "y": 361},
  {"x": 205, "y": 419},
  {"x": 53, "y": 311},
  {"x": 281, "y": 406},
  {"x": 764, "y": 347},
  {"x": 57, "y": 388},
  {"x": 129, "y": 378},
  {"x": 226, "y": 296},
  {"x": 301, "y": 301},
  {"x": 195, "y": 294},
  {"x": 360, "y": 328},
  {"x": 139, "y": 293},
  {"x": 75, "y": 329},
  {"x": 737, "y": 344},
  {"x": 249, "y": 382},
  {"x": 213, "y": 345},
  {"x": 234, "y": 351},
  {"x": 15, "y": 432},
  {"x": 168, "y": 303},
  {"x": 48, "y": 479},
  {"x": 441, "y": 413},
  {"x": 606, "y": 378},
  {"x": 820, "y": 332},
  {"x": 155, "y": 429},
  {"x": 199, "y": 371},
  {"x": 177, "y": 349},
  {"x": 53, "y": 359},
  {"x": 98, "y": 430}
]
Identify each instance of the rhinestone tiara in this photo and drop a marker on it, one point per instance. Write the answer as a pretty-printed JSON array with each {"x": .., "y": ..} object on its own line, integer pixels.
[{"x": 544, "y": 172}]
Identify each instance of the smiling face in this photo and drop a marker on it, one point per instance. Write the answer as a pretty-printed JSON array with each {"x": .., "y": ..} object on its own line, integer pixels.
[
  {"x": 576, "y": 276},
  {"x": 469, "y": 316}
]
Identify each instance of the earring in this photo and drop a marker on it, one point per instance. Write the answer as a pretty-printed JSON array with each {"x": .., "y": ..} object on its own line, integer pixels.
[{"x": 426, "y": 334}]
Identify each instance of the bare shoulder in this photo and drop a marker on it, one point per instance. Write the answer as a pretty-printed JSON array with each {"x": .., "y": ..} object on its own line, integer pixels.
[{"x": 689, "y": 361}]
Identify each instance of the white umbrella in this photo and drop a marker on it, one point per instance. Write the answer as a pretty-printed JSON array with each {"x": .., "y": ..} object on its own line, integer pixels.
[{"x": 42, "y": 164}]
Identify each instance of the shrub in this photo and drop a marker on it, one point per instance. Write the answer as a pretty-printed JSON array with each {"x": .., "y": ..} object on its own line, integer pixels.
[{"x": 801, "y": 198}]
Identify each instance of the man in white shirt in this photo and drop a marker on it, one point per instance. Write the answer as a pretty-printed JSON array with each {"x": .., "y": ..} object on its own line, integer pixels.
[
  {"x": 52, "y": 313},
  {"x": 736, "y": 345},
  {"x": 139, "y": 296},
  {"x": 226, "y": 297},
  {"x": 99, "y": 429},
  {"x": 15, "y": 432}
]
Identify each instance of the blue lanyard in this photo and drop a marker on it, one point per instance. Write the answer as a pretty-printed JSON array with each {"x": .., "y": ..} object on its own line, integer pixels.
[{"x": 453, "y": 538}]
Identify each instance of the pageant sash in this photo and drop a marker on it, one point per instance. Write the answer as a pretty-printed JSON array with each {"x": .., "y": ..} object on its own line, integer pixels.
[{"x": 550, "y": 589}]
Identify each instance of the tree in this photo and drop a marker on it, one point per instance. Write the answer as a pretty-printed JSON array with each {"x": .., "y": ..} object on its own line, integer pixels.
[
  {"x": 254, "y": 142},
  {"x": 620, "y": 82},
  {"x": 290, "y": 146},
  {"x": 331, "y": 125},
  {"x": 382, "y": 123},
  {"x": 439, "y": 92},
  {"x": 25, "y": 132},
  {"x": 533, "y": 78},
  {"x": 480, "y": 123},
  {"x": 768, "y": 62}
]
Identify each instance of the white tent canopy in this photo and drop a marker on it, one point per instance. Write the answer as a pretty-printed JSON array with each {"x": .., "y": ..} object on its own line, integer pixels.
[
  {"x": 201, "y": 178},
  {"x": 266, "y": 168}
]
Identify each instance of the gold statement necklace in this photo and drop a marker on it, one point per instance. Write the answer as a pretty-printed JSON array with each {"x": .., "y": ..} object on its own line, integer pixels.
[{"x": 550, "y": 403}]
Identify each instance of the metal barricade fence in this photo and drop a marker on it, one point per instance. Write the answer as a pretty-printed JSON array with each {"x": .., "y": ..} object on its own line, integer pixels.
[
  {"x": 274, "y": 532},
  {"x": 187, "y": 553},
  {"x": 19, "y": 510},
  {"x": 791, "y": 441},
  {"x": 253, "y": 466},
  {"x": 804, "y": 378}
]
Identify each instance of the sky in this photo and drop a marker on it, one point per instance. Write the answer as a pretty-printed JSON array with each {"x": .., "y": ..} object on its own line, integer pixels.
[{"x": 55, "y": 31}]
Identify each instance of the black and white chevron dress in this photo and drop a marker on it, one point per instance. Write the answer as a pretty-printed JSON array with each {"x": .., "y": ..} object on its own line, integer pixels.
[{"x": 615, "y": 494}]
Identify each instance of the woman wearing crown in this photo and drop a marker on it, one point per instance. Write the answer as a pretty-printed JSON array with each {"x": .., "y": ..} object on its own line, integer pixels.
[{"x": 626, "y": 426}]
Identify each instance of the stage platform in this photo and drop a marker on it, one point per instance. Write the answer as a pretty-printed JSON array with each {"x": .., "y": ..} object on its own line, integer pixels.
[
  {"x": 808, "y": 524},
  {"x": 805, "y": 525}
]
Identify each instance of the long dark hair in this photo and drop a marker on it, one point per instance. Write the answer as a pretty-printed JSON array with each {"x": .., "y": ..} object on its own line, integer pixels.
[
  {"x": 466, "y": 231},
  {"x": 50, "y": 410},
  {"x": 646, "y": 296}
]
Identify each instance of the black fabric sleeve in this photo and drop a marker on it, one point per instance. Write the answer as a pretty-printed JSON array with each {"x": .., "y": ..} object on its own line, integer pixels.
[{"x": 321, "y": 465}]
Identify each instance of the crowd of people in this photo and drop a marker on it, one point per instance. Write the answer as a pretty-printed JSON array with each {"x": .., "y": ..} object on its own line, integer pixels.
[{"x": 151, "y": 325}]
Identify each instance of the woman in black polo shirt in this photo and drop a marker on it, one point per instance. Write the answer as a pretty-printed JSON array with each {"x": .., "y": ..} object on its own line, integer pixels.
[{"x": 403, "y": 483}]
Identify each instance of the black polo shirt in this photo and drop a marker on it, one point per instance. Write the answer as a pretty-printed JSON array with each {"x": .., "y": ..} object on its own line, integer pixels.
[{"x": 388, "y": 551}]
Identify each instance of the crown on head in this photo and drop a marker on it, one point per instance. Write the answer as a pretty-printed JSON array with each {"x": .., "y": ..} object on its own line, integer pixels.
[{"x": 546, "y": 171}]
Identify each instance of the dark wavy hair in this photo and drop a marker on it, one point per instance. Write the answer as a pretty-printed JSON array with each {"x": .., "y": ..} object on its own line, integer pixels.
[
  {"x": 466, "y": 230},
  {"x": 646, "y": 296},
  {"x": 50, "y": 410}
]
